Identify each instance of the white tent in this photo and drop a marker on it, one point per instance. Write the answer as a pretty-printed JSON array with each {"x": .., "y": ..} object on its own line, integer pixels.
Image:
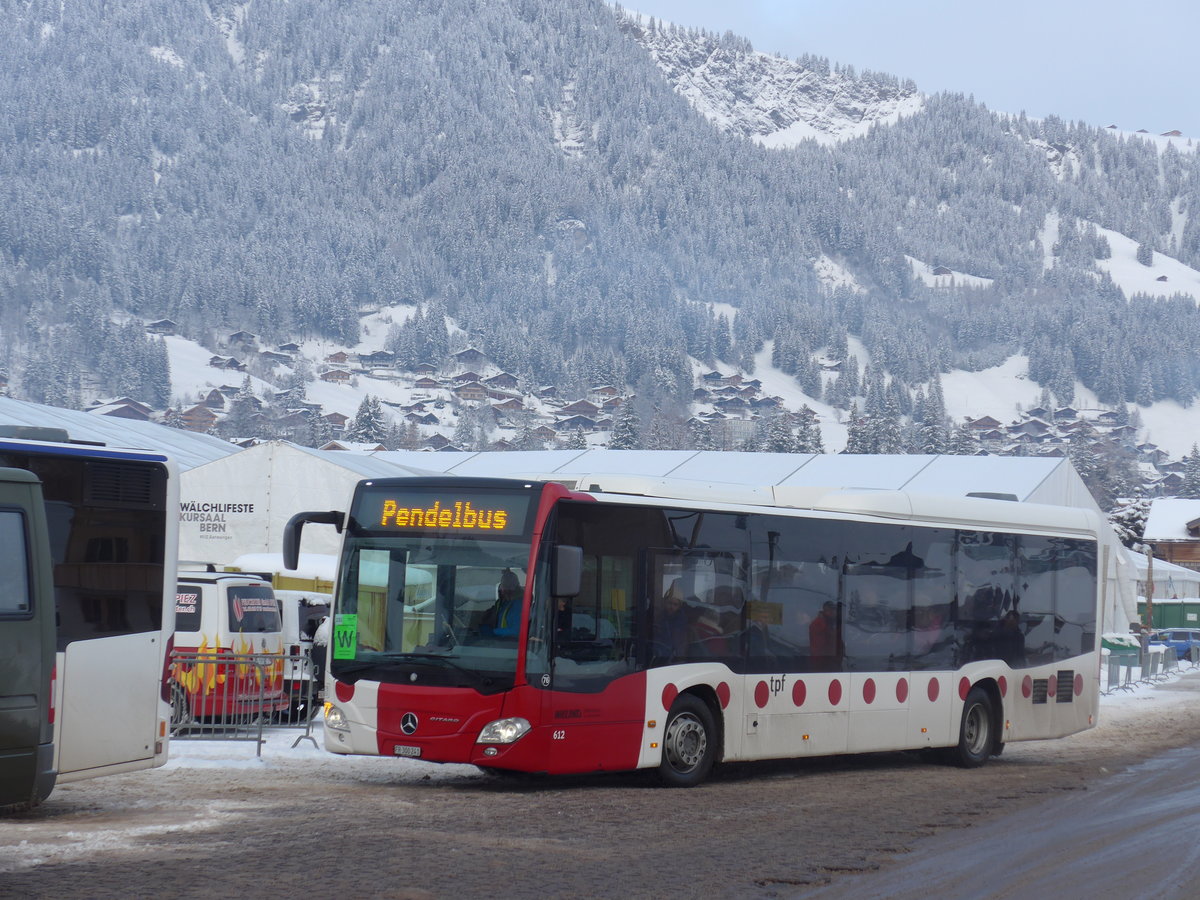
[{"x": 240, "y": 504}]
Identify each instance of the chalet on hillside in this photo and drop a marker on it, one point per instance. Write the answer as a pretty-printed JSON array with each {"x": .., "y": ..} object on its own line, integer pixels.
[
  {"x": 337, "y": 376},
  {"x": 472, "y": 391},
  {"x": 574, "y": 423},
  {"x": 423, "y": 368},
  {"x": 242, "y": 339},
  {"x": 230, "y": 363},
  {"x": 199, "y": 418},
  {"x": 380, "y": 358},
  {"x": 338, "y": 359},
  {"x": 123, "y": 409},
  {"x": 470, "y": 357},
  {"x": 162, "y": 326},
  {"x": 983, "y": 423},
  {"x": 503, "y": 380},
  {"x": 581, "y": 408},
  {"x": 274, "y": 356},
  {"x": 427, "y": 384},
  {"x": 942, "y": 270},
  {"x": 437, "y": 442},
  {"x": 464, "y": 377},
  {"x": 289, "y": 347},
  {"x": 214, "y": 399}
]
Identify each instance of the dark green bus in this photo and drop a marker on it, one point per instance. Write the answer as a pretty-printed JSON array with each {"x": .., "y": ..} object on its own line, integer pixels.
[{"x": 27, "y": 628}]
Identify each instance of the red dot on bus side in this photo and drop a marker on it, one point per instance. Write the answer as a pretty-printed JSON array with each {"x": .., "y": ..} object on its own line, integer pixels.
[
  {"x": 799, "y": 693},
  {"x": 723, "y": 694},
  {"x": 964, "y": 688},
  {"x": 1051, "y": 686},
  {"x": 1027, "y": 687},
  {"x": 761, "y": 694},
  {"x": 869, "y": 690},
  {"x": 670, "y": 692},
  {"x": 343, "y": 691},
  {"x": 933, "y": 689},
  {"x": 1003, "y": 686},
  {"x": 835, "y": 692},
  {"x": 901, "y": 690},
  {"x": 1078, "y": 685}
]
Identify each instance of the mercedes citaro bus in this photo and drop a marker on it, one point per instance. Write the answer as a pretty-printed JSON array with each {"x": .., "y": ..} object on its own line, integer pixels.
[{"x": 671, "y": 625}]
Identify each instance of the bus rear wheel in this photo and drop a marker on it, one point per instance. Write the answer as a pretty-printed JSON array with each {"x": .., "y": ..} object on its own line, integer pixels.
[
  {"x": 976, "y": 735},
  {"x": 181, "y": 712},
  {"x": 689, "y": 744}
]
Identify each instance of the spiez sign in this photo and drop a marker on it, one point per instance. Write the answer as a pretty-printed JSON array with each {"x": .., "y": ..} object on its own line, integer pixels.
[{"x": 458, "y": 515}]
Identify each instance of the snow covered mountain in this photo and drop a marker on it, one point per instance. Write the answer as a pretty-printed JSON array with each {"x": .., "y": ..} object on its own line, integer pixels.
[
  {"x": 774, "y": 101},
  {"x": 589, "y": 199}
]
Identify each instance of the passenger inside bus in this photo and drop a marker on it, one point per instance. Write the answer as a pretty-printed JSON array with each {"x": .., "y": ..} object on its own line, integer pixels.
[
  {"x": 824, "y": 639},
  {"x": 671, "y": 624}
]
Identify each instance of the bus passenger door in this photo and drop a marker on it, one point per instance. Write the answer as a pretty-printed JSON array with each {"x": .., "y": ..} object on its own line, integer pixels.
[{"x": 595, "y": 696}]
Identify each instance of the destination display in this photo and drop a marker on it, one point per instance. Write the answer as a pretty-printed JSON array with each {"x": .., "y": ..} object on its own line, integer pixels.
[{"x": 493, "y": 513}]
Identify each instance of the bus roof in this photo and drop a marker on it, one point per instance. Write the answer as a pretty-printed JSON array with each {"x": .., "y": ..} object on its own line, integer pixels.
[{"x": 966, "y": 512}]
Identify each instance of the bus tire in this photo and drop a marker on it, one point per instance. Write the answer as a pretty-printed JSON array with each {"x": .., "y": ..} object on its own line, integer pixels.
[
  {"x": 689, "y": 745},
  {"x": 181, "y": 713},
  {"x": 976, "y": 734}
]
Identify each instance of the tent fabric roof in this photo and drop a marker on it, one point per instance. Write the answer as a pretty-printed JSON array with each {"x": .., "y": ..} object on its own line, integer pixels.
[
  {"x": 187, "y": 448},
  {"x": 1025, "y": 477}
]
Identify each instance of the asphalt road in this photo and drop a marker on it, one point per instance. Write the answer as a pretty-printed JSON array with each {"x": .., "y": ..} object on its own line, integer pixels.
[{"x": 831, "y": 827}]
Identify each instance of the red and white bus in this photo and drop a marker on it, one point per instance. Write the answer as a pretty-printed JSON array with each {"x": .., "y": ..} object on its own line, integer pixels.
[{"x": 672, "y": 625}]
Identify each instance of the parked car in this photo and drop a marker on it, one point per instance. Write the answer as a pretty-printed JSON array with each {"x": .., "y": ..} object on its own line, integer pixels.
[{"x": 1186, "y": 642}]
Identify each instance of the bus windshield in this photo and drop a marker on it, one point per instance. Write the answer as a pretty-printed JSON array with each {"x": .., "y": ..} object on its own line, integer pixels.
[{"x": 433, "y": 609}]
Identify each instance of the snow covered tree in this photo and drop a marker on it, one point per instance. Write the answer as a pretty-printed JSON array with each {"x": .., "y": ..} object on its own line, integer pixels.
[
  {"x": 1190, "y": 489},
  {"x": 626, "y": 433},
  {"x": 369, "y": 425},
  {"x": 808, "y": 432},
  {"x": 1128, "y": 520},
  {"x": 858, "y": 437}
]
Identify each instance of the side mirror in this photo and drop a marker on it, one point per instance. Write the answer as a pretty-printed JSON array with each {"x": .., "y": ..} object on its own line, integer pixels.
[
  {"x": 567, "y": 574},
  {"x": 291, "y": 532}
]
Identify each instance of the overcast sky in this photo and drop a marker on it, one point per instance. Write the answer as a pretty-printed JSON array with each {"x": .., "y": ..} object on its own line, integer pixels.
[{"x": 1099, "y": 61}]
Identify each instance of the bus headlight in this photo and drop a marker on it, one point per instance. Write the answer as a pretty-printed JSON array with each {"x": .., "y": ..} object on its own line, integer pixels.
[
  {"x": 503, "y": 731},
  {"x": 334, "y": 719}
]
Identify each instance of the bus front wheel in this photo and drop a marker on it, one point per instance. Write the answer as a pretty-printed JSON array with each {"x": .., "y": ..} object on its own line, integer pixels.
[
  {"x": 689, "y": 743},
  {"x": 975, "y": 735}
]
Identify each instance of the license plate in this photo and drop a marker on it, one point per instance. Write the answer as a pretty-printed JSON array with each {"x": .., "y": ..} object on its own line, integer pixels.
[{"x": 405, "y": 750}]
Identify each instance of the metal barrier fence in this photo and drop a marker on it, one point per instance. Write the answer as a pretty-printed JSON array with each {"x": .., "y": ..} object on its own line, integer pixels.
[
  {"x": 235, "y": 696},
  {"x": 1124, "y": 671}
]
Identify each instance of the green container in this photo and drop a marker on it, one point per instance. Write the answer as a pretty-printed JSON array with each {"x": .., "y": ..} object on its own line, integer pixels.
[{"x": 1173, "y": 613}]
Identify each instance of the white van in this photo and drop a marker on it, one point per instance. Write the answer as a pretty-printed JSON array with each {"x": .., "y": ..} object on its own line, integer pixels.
[
  {"x": 221, "y": 614},
  {"x": 301, "y": 612}
]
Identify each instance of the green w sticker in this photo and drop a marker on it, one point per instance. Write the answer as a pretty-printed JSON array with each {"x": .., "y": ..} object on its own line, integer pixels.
[{"x": 345, "y": 636}]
